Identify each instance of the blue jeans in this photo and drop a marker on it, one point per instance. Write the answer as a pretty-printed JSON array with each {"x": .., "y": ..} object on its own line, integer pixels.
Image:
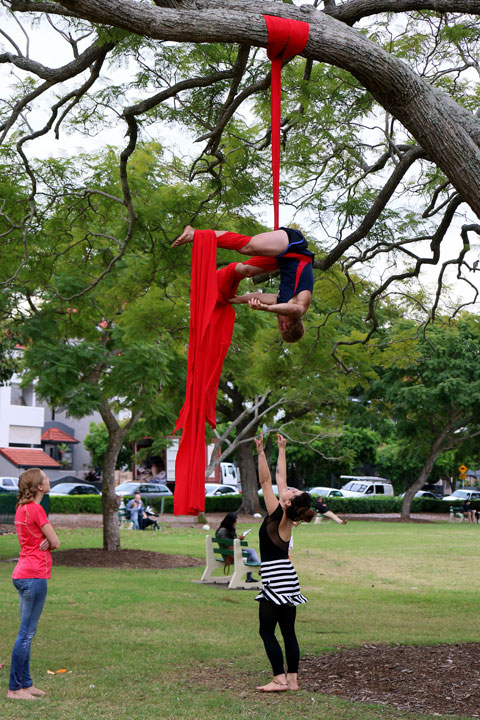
[
  {"x": 32, "y": 593},
  {"x": 252, "y": 555}
]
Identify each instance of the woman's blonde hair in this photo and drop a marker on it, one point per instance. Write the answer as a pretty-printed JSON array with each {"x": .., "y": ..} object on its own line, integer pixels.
[{"x": 28, "y": 483}]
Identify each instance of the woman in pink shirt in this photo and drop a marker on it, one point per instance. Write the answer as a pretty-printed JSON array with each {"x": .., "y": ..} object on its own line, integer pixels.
[{"x": 37, "y": 538}]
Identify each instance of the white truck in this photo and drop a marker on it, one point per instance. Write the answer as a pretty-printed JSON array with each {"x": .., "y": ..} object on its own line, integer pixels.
[
  {"x": 365, "y": 486},
  {"x": 225, "y": 473}
]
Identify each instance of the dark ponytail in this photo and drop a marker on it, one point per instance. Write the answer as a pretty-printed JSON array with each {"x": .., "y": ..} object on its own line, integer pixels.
[{"x": 299, "y": 508}]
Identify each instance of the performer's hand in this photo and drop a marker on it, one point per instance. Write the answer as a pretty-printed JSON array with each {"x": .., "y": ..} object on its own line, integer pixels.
[
  {"x": 281, "y": 441},
  {"x": 255, "y": 304},
  {"x": 45, "y": 544},
  {"x": 259, "y": 442},
  {"x": 185, "y": 237}
]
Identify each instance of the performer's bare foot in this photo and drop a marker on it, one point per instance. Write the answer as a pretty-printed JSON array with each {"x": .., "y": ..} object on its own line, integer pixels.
[
  {"x": 278, "y": 684},
  {"x": 292, "y": 681},
  {"x": 2, "y": 665},
  {"x": 35, "y": 691},
  {"x": 185, "y": 237},
  {"x": 19, "y": 695}
]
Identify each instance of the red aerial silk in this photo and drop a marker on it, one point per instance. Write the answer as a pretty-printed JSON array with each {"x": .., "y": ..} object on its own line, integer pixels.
[
  {"x": 286, "y": 38},
  {"x": 211, "y": 326}
]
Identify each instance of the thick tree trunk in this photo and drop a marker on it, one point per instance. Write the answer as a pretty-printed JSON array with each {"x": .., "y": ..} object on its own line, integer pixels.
[
  {"x": 437, "y": 448},
  {"x": 110, "y": 501},
  {"x": 446, "y": 131},
  {"x": 248, "y": 474}
]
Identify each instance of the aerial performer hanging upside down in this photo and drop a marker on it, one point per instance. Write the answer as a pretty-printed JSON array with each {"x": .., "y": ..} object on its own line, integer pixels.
[
  {"x": 212, "y": 296},
  {"x": 284, "y": 249}
]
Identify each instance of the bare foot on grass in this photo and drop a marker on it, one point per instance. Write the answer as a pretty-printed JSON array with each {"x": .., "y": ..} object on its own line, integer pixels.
[
  {"x": 292, "y": 683},
  {"x": 35, "y": 691},
  {"x": 274, "y": 686},
  {"x": 185, "y": 237},
  {"x": 19, "y": 695}
]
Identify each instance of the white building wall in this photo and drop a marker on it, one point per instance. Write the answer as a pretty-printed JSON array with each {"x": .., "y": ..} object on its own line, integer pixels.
[
  {"x": 18, "y": 415},
  {"x": 5, "y": 394}
]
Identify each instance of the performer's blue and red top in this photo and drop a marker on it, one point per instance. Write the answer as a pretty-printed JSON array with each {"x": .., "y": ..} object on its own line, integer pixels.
[{"x": 296, "y": 266}]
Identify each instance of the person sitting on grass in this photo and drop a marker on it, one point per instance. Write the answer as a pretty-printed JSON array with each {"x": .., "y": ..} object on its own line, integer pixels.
[{"x": 322, "y": 509}]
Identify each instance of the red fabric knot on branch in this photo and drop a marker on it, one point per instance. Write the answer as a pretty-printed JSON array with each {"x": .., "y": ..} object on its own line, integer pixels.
[{"x": 286, "y": 38}]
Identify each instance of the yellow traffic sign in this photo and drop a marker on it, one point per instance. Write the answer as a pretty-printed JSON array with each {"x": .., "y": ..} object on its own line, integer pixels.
[{"x": 462, "y": 469}]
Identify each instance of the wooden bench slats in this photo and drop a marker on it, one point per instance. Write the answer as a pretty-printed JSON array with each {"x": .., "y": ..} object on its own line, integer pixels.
[{"x": 223, "y": 546}]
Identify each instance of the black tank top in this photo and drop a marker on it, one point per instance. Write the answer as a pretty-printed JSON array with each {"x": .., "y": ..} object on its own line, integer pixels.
[{"x": 272, "y": 547}]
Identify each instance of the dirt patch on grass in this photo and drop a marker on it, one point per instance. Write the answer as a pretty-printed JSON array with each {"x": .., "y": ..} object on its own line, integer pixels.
[
  {"x": 136, "y": 559},
  {"x": 7, "y": 529},
  {"x": 439, "y": 680},
  {"x": 442, "y": 679}
]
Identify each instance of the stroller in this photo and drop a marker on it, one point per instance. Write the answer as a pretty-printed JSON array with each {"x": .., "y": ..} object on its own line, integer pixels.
[{"x": 150, "y": 519}]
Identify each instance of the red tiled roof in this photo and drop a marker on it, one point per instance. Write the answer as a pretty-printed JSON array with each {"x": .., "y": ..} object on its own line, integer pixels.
[
  {"x": 28, "y": 457},
  {"x": 56, "y": 435}
]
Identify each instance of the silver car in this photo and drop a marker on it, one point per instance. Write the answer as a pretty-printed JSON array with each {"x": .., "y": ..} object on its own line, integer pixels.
[
  {"x": 146, "y": 490},
  {"x": 74, "y": 489}
]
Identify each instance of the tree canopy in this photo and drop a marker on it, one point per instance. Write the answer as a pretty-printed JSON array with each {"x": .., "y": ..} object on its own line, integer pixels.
[{"x": 381, "y": 158}]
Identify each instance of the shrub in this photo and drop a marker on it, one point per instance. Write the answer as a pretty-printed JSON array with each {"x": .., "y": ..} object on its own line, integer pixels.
[
  {"x": 217, "y": 503},
  {"x": 72, "y": 504},
  {"x": 8, "y": 502}
]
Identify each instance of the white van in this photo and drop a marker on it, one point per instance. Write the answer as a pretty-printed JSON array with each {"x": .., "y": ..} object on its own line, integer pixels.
[
  {"x": 365, "y": 486},
  {"x": 229, "y": 474},
  {"x": 9, "y": 483}
]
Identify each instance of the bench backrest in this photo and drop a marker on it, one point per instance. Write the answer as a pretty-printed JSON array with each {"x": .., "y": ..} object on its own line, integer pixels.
[{"x": 225, "y": 546}]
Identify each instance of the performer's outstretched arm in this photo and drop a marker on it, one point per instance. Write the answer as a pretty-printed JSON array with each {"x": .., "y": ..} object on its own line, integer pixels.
[
  {"x": 264, "y": 298},
  {"x": 290, "y": 309},
  {"x": 281, "y": 475},
  {"x": 271, "y": 502}
]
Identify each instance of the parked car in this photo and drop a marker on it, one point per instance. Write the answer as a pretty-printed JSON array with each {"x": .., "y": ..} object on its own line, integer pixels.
[
  {"x": 218, "y": 489},
  {"x": 74, "y": 489},
  {"x": 274, "y": 488},
  {"x": 324, "y": 492},
  {"x": 365, "y": 486},
  {"x": 423, "y": 493},
  {"x": 10, "y": 484},
  {"x": 66, "y": 479},
  {"x": 146, "y": 490},
  {"x": 463, "y": 494}
]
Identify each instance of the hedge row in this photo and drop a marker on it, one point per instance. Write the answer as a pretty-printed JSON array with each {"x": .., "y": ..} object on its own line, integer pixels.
[
  {"x": 8, "y": 502},
  {"x": 390, "y": 504},
  {"x": 73, "y": 504}
]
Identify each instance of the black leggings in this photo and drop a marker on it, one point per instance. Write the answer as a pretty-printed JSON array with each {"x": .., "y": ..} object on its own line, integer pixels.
[{"x": 269, "y": 615}]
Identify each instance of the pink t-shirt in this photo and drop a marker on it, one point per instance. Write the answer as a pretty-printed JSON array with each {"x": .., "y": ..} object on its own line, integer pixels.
[{"x": 33, "y": 562}]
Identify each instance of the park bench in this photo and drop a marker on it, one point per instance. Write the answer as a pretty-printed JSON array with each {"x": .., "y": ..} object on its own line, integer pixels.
[
  {"x": 219, "y": 551},
  {"x": 455, "y": 514},
  {"x": 319, "y": 518}
]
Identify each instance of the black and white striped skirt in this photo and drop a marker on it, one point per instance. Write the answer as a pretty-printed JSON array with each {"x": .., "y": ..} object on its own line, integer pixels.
[{"x": 280, "y": 583}]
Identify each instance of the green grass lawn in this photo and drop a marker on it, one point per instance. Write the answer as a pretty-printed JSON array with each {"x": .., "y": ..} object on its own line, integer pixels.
[{"x": 147, "y": 644}]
